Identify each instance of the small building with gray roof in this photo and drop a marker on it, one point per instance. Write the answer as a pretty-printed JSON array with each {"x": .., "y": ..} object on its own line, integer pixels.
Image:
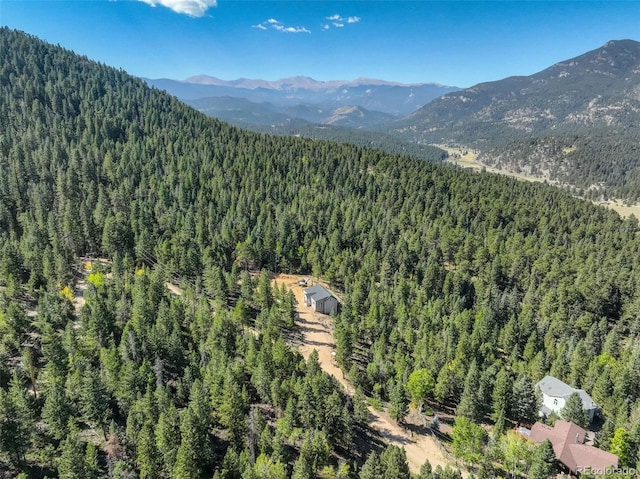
[{"x": 320, "y": 299}]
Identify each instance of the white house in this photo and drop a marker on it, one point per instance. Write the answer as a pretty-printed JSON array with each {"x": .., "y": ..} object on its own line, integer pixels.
[
  {"x": 555, "y": 394},
  {"x": 320, "y": 299}
]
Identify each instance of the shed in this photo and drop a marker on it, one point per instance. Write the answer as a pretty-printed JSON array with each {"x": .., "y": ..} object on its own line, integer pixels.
[{"x": 320, "y": 299}]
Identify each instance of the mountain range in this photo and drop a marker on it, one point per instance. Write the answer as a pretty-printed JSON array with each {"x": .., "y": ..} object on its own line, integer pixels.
[
  {"x": 369, "y": 94},
  {"x": 301, "y": 106},
  {"x": 241, "y": 111},
  {"x": 576, "y": 122}
]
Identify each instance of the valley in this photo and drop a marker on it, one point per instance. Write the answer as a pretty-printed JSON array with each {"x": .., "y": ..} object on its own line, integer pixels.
[
  {"x": 623, "y": 209},
  {"x": 466, "y": 158},
  {"x": 570, "y": 123}
]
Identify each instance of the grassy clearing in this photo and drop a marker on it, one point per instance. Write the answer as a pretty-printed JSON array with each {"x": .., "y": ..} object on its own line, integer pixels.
[
  {"x": 461, "y": 156},
  {"x": 622, "y": 209},
  {"x": 467, "y": 158}
]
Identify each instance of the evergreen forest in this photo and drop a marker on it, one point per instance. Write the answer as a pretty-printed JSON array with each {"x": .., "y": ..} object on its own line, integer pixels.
[{"x": 461, "y": 291}]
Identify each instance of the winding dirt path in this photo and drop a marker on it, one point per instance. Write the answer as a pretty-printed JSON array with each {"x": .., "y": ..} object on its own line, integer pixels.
[{"x": 317, "y": 333}]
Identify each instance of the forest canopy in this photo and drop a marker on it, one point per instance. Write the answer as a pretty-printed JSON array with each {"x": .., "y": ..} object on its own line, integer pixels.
[{"x": 473, "y": 279}]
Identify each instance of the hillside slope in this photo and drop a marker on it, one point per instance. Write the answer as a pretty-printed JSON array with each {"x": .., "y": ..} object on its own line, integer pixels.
[
  {"x": 241, "y": 110},
  {"x": 481, "y": 283},
  {"x": 576, "y": 122},
  {"x": 342, "y": 125}
]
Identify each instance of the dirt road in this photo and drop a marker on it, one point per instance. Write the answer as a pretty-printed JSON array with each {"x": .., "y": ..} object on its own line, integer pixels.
[{"x": 317, "y": 333}]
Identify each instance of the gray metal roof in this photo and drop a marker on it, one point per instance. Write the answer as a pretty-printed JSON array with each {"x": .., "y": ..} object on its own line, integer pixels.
[
  {"x": 318, "y": 292},
  {"x": 555, "y": 388}
]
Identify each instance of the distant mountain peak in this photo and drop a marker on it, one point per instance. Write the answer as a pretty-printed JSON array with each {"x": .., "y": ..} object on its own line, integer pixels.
[
  {"x": 204, "y": 80},
  {"x": 300, "y": 81},
  {"x": 575, "y": 121},
  {"x": 613, "y": 58},
  {"x": 371, "y": 94},
  {"x": 625, "y": 42}
]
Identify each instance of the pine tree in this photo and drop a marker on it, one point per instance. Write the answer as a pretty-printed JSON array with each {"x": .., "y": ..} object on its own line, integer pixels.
[
  {"x": 94, "y": 400},
  {"x": 469, "y": 405},
  {"x": 216, "y": 284},
  {"x": 231, "y": 464},
  {"x": 30, "y": 367},
  {"x": 360, "y": 409},
  {"x": 315, "y": 450},
  {"x": 71, "y": 463},
  {"x": 372, "y": 468},
  {"x": 256, "y": 427},
  {"x": 543, "y": 461},
  {"x": 147, "y": 455},
  {"x": 573, "y": 411},
  {"x": 501, "y": 396},
  {"x": 233, "y": 413},
  {"x": 426, "y": 471},
  {"x": 394, "y": 463},
  {"x": 56, "y": 411},
  {"x": 92, "y": 467},
  {"x": 524, "y": 403},
  {"x": 266, "y": 468},
  {"x": 168, "y": 437},
  {"x": 264, "y": 294},
  {"x": 605, "y": 434},
  {"x": 55, "y": 356},
  {"x": 189, "y": 463},
  {"x": 500, "y": 425},
  {"x": 398, "y": 406},
  {"x": 16, "y": 422},
  {"x": 246, "y": 287},
  {"x": 195, "y": 451},
  {"x": 337, "y": 421}
]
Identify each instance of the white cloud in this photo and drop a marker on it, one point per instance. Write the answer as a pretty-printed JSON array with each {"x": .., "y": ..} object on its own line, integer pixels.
[
  {"x": 326, "y": 27},
  {"x": 339, "y": 21},
  {"x": 276, "y": 25},
  {"x": 282, "y": 28},
  {"x": 193, "y": 8}
]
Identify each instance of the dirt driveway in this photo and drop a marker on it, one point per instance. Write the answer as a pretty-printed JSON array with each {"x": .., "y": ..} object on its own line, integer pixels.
[{"x": 317, "y": 333}]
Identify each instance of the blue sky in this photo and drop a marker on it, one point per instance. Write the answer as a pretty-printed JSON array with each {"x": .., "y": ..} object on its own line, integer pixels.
[{"x": 457, "y": 43}]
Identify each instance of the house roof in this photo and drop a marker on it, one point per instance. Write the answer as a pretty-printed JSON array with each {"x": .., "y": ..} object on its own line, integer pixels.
[
  {"x": 567, "y": 440},
  {"x": 555, "y": 388},
  {"x": 318, "y": 292}
]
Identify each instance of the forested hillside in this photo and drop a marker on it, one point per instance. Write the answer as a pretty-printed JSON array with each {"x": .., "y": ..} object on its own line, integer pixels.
[
  {"x": 380, "y": 141},
  {"x": 481, "y": 282},
  {"x": 575, "y": 122}
]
